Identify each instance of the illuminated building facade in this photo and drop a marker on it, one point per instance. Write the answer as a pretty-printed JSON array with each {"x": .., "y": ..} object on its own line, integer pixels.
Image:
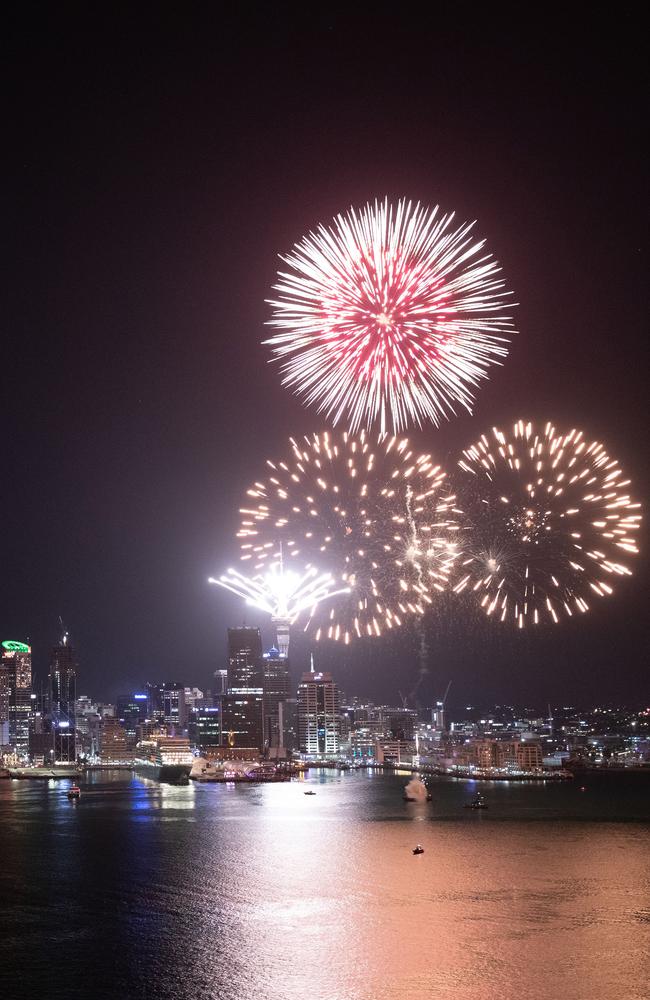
[
  {"x": 204, "y": 726},
  {"x": 5, "y": 688},
  {"x": 17, "y": 660},
  {"x": 243, "y": 706},
  {"x": 319, "y": 724},
  {"x": 276, "y": 684},
  {"x": 220, "y": 682},
  {"x": 243, "y": 719},
  {"x": 131, "y": 709},
  {"x": 244, "y": 658},
  {"x": 174, "y": 709},
  {"x": 114, "y": 748},
  {"x": 62, "y": 699}
]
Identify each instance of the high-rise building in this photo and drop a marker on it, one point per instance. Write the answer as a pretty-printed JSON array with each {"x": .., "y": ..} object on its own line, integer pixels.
[
  {"x": 5, "y": 689},
  {"x": 154, "y": 702},
  {"x": 220, "y": 682},
  {"x": 63, "y": 681},
  {"x": 276, "y": 684},
  {"x": 243, "y": 719},
  {"x": 204, "y": 726},
  {"x": 438, "y": 716},
  {"x": 17, "y": 658},
  {"x": 174, "y": 708},
  {"x": 318, "y": 715},
  {"x": 130, "y": 710},
  {"x": 194, "y": 698},
  {"x": 244, "y": 658},
  {"x": 243, "y": 706},
  {"x": 62, "y": 699}
]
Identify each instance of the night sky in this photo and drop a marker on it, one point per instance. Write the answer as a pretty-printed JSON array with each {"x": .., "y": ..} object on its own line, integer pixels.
[{"x": 156, "y": 163}]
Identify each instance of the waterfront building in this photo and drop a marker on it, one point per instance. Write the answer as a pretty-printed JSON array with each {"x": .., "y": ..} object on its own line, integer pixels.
[
  {"x": 62, "y": 684},
  {"x": 243, "y": 705},
  {"x": 394, "y": 752},
  {"x": 318, "y": 715},
  {"x": 243, "y": 719},
  {"x": 529, "y": 756},
  {"x": 114, "y": 748},
  {"x": 17, "y": 659},
  {"x": 276, "y": 684},
  {"x": 204, "y": 726},
  {"x": 490, "y": 753},
  {"x": 401, "y": 723},
  {"x": 5, "y": 688}
]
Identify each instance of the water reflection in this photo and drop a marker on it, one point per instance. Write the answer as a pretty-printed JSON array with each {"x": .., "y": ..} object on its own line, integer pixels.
[{"x": 237, "y": 892}]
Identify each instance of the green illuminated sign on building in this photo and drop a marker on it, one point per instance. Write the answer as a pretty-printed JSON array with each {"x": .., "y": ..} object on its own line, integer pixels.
[{"x": 16, "y": 647}]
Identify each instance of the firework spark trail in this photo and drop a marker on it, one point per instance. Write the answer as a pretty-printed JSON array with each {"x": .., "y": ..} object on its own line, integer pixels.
[
  {"x": 340, "y": 501},
  {"x": 281, "y": 593},
  {"x": 389, "y": 317},
  {"x": 547, "y": 523}
]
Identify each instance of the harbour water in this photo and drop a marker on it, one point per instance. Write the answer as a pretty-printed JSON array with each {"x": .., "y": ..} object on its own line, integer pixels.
[{"x": 143, "y": 890}]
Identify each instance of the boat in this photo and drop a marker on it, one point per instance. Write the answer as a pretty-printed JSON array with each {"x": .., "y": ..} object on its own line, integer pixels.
[
  {"x": 164, "y": 758},
  {"x": 418, "y": 849},
  {"x": 478, "y": 802},
  {"x": 310, "y": 793},
  {"x": 182, "y": 779},
  {"x": 74, "y": 792}
]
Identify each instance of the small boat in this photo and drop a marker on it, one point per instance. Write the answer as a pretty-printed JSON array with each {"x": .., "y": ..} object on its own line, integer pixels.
[
  {"x": 418, "y": 849},
  {"x": 478, "y": 802},
  {"x": 310, "y": 793},
  {"x": 74, "y": 792}
]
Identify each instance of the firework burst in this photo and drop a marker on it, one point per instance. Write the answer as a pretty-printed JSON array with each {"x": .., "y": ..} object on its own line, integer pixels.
[
  {"x": 281, "y": 593},
  {"x": 374, "y": 512},
  {"x": 389, "y": 317},
  {"x": 548, "y": 523}
]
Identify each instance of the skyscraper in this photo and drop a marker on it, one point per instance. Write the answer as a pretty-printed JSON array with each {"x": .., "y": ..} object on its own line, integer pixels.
[
  {"x": 62, "y": 697},
  {"x": 174, "y": 708},
  {"x": 5, "y": 689},
  {"x": 220, "y": 682},
  {"x": 276, "y": 685},
  {"x": 244, "y": 658},
  {"x": 17, "y": 659},
  {"x": 318, "y": 715},
  {"x": 243, "y": 714}
]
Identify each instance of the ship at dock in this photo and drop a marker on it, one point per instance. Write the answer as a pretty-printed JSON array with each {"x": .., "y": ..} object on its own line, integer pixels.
[{"x": 164, "y": 758}]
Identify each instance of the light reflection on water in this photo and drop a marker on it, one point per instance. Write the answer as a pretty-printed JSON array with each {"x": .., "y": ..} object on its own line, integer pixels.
[{"x": 231, "y": 892}]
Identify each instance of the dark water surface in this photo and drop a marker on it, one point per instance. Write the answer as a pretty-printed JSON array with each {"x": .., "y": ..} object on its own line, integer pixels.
[{"x": 231, "y": 892}]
